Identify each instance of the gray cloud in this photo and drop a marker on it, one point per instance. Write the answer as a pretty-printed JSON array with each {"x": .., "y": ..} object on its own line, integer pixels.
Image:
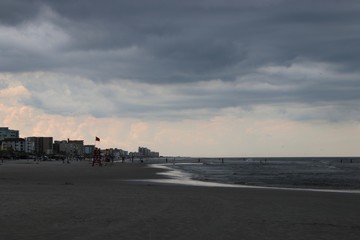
[
  {"x": 184, "y": 42},
  {"x": 16, "y": 12},
  {"x": 196, "y": 41}
]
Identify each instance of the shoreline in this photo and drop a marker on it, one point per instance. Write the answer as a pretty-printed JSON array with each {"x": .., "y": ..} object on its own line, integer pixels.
[
  {"x": 52, "y": 200},
  {"x": 174, "y": 176},
  {"x": 163, "y": 173}
]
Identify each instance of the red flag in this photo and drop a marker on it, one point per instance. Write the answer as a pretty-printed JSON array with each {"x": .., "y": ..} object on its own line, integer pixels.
[{"x": 97, "y": 139}]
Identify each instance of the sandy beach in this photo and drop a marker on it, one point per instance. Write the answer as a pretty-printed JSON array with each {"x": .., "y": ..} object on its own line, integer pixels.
[{"x": 52, "y": 200}]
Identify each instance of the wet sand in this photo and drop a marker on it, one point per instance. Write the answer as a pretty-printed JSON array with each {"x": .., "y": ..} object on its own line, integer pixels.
[{"x": 52, "y": 200}]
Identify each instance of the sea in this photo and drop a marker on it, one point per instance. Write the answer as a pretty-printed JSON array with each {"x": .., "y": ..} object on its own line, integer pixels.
[{"x": 318, "y": 173}]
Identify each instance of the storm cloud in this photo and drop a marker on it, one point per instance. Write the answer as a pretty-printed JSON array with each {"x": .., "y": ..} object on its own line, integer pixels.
[{"x": 167, "y": 58}]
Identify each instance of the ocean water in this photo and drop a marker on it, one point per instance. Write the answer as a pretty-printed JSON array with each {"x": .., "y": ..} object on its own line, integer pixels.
[{"x": 305, "y": 173}]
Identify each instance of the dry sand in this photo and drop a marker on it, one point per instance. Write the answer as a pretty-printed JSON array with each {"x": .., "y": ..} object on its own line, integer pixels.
[{"x": 52, "y": 200}]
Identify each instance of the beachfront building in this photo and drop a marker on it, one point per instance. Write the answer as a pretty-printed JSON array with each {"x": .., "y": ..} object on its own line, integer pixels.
[
  {"x": 5, "y": 132},
  {"x": 117, "y": 153},
  {"x": 75, "y": 148},
  {"x": 29, "y": 146},
  {"x": 41, "y": 145},
  {"x": 145, "y": 152},
  {"x": 13, "y": 144},
  {"x": 69, "y": 148},
  {"x": 89, "y": 151},
  {"x": 154, "y": 154},
  {"x": 60, "y": 147}
]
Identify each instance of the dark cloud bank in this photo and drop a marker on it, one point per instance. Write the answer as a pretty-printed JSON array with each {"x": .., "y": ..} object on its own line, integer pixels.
[{"x": 175, "y": 42}]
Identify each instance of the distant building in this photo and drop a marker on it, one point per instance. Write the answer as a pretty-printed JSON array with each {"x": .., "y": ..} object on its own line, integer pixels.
[
  {"x": 15, "y": 144},
  {"x": 75, "y": 148},
  {"x": 5, "y": 132},
  {"x": 29, "y": 146},
  {"x": 89, "y": 150},
  {"x": 70, "y": 148},
  {"x": 41, "y": 145},
  {"x": 117, "y": 153},
  {"x": 145, "y": 152},
  {"x": 60, "y": 147}
]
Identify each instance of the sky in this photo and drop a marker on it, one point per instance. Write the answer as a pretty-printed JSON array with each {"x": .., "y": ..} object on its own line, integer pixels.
[{"x": 199, "y": 78}]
